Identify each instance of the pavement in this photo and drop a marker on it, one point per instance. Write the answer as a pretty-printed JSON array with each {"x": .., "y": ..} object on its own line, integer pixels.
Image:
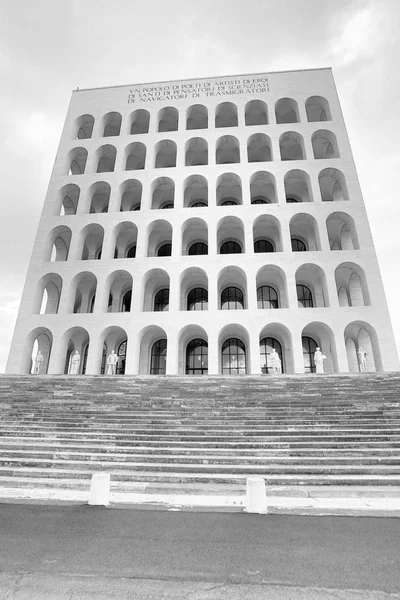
[{"x": 79, "y": 552}]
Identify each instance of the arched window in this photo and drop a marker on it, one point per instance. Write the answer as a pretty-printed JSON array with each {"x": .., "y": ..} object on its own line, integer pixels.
[
  {"x": 197, "y": 299},
  {"x": 267, "y": 297},
  {"x": 298, "y": 245},
  {"x": 260, "y": 200},
  {"x": 233, "y": 357},
  {"x": 164, "y": 250},
  {"x": 230, "y": 247},
  {"x": 263, "y": 246},
  {"x": 122, "y": 358},
  {"x": 158, "y": 360},
  {"x": 266, "y": 346},
  {"x": 161, "y": 300},
  {"x": 197, "y": 357},
  {"x": 309, "y": 347},
  {"x": 198, "y": 204},
  {"x": 292, "y": 201},
  {"x": 126, "y": 301},
  {"x": 229, "y": 202},
  {"x": 169, "y": 205},
  {"x": 198, "y": 248},
  {"x": 232, "y": 299},
  {"x": 131, "y": 251},
  {"x": 304, "y": 297}
]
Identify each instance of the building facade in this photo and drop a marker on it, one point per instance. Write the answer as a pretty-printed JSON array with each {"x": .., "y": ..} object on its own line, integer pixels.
[{"x": 194, "y": 226}]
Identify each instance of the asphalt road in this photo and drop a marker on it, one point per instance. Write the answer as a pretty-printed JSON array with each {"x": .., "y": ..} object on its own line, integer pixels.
[{"x": 205, "y": 551}]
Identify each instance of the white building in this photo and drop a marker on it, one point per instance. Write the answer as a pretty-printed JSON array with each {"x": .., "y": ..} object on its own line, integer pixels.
[{"x": 236, "y": 266}]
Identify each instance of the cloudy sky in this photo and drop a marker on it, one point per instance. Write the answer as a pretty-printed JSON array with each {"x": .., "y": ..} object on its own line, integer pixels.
[{"x": 49, "y": 47}]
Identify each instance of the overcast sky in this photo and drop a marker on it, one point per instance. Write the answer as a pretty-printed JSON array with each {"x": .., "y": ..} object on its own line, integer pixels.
[{"x": 49, "y": 47}]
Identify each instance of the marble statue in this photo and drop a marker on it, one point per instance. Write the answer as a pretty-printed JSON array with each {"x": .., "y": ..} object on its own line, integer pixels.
[
  {"x": 37, "y": 363},
  {"x": 75, "y": 363},
  {"x": 112, "y": 361},
  {"x": 362, "y": 359},
  {"x": 319, "y": 360},
  {"x": 275, "y": 362}
]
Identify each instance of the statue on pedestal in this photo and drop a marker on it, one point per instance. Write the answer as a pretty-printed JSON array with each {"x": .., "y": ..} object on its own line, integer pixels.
[
  {"x": 275, "y": 362},
  {"x": 362, "y": 359},
  {"x": 319, "y": 360},
  {"x": 75, "y": 363},
  {"x": 112, "y": 361},
  {"x": 37, "y": 363}
]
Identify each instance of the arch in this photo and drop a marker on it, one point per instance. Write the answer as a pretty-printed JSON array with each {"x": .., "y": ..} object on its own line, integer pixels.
[
  {"x": 99, "y": 195},
  {"x": 112, "y": 124},
  {"x": 147, "y": 338},
  {"x": 351, "y": 284},
  {"x": 67, "y": 200},
  {"x": 342, "y": 232},
  {"x": 113, "y": 338},
  {"x": 263, "y": 188},
  {"x": 158, "y": 233},
  {"x": 75, "y": 338},
  {"x": 195, "y": 191},
  {"x": 90, "y": 242},
  {"x": 131, "y": 195},
  {"x": 274, "y": 277},
  {"x": 360, "y": 334},
  {"x": 312, "y": 277},
  {"x": 332, "y": 185},
  {"x": 268, "y": 228},
  {"x": 196, "y": 152},
  {"x": 256, "y": 113},
  {"x": 291, "y": 146},
  {"x": 117, "y": 285},
  {"x": 276, "y": 335},
  {"x": 124, "y": 240},
  {"x": 41, "y": 339},
  {"x": 193, "y": 350},
  {"x": 287, "y": 111},
  {"x": 191, "y": 279},
  {"x": 162, "y": 193},
  {"x": 193, "y": 231},
  {"x": 226, "y": 115},
  {"x": 227, "y": 150},
  {"x": 153, "y": 281},
  {"x": 168, "y": 119},
  {"x": 324, "y": 144},
  {"x": 105, "y": 158},
  {"x": 229, "y": 187},
  {"x": 84, "y": 127},
  {"x": 234, "y": 358},
  {"x": 324, "y": 338},
  {"x": 297, "y": 186},
  {"x": 139, "y": 121},
  {"x": 82, "y": 293},
  {"x": 259, "y": 148},
  {"x": 76, "y": 161},
  {"x": 58, "y": 244},
  {"x": 48, "y": 293},
  {"x": 230, "y": 229},
  {"x": 197, "y": 117},
  {"x": 165, "y": 154},
  {"x": 135, "y": 156},
  {"x": 317, "y": 109},
  {"x": 304, "y": 227},
  {"x": 231, "y": 279}
]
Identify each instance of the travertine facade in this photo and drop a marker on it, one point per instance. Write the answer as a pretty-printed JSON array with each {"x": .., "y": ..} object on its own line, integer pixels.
[{"x": 194, "y": 226}]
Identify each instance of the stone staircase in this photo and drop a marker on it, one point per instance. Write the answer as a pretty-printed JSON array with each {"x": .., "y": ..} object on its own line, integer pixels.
[{"x": 196, "y": 434}]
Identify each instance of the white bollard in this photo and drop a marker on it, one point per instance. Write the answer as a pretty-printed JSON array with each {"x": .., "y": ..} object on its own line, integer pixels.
[
  {"x": 256, "y": 499},
  {"x": 100, "y": 489}
]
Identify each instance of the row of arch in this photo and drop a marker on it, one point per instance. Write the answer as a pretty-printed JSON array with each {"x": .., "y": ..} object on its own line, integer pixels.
[
  {"x": 297, "y": 186},
  {"x": 193, "y": 284},
  {"x": 233, "y": 356},
  {"x": 227, "y": 151},
  {"x": 230, "y": 237},
  {"x": 196, "y": 117}
]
